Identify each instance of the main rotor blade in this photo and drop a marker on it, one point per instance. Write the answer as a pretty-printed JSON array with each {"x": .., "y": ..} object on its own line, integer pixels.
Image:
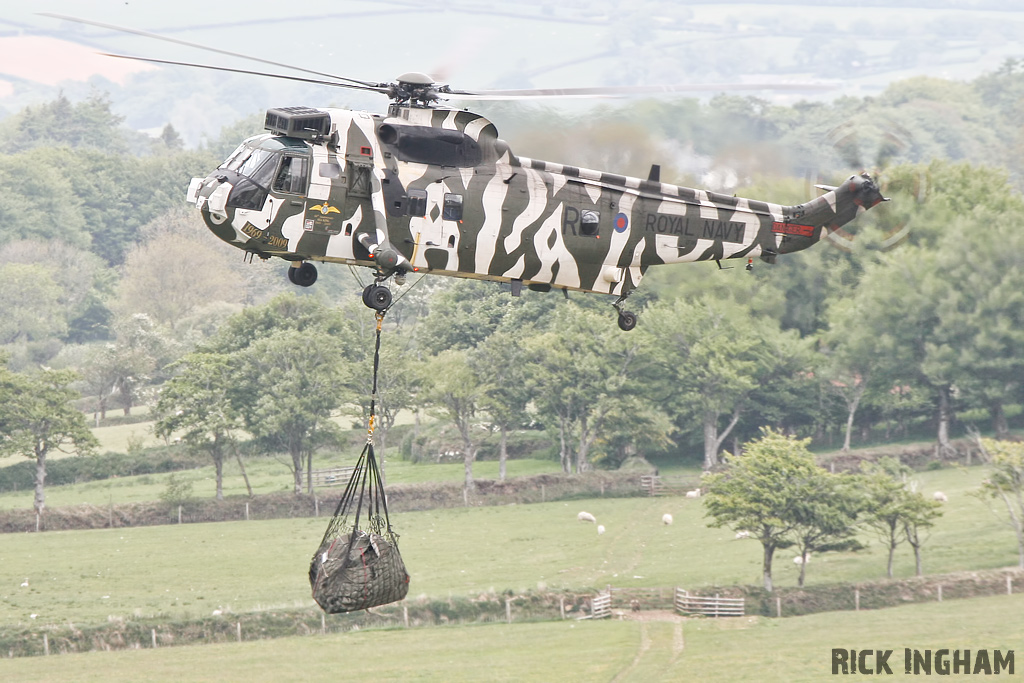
[
  {"x": 178, "y": 41},
  {"x": 626, "y": 90},
  {"x": 300, "y": 79}
]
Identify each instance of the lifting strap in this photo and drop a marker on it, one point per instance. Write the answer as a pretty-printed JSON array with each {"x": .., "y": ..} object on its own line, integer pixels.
[{"x": 365, "y": 487}]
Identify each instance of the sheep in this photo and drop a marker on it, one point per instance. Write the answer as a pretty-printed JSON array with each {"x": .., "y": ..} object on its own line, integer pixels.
[
  {"x": 798, "y": 560},
  {"x": 24, "y": 584},
  {"x": 940, "y": 496},
  {"x": 666, "y": 519},
  {"x": 693, "y": 494},
  {"x": 600, "y": 529},
  {"x": 586, "y": 517},
  {"x": 743, "y": 533}
]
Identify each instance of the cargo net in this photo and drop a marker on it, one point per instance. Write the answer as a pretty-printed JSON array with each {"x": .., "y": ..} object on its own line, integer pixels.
[{"x": 358, "y": 565}]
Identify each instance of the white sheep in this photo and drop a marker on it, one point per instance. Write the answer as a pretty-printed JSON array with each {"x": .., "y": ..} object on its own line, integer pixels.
[
  {"x": 743, "y": 533},
  {"x": 940, "y": 496},
  {"x": 798, "y": 560},
  {"x": 693, "y": 494},
  {"x": 24, "y": 584},
  {"x": 600, "y": 529},
  {"x": 666, "y": 519},
  {"x": 586, "y": 517}
]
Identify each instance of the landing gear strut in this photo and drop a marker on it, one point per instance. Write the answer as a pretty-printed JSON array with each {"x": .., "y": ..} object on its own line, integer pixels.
[
  {"x": 627, "y": 319},
  {"x": 303, "y": 276}
]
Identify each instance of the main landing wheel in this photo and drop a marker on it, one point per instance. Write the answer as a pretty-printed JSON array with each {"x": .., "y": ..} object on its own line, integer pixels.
[
  {"x": 303, "y": 276},
  {"x": 377, "y": 297},
  {"x": 627, "y": 321}
]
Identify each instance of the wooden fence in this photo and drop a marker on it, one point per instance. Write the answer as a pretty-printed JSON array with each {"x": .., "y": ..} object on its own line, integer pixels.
[
  {"x": 334, "y": 476},
  {"x": 656, "y": 485},
  {"x": 711, "y": 607},
  {"x": 600, "y": 606}
]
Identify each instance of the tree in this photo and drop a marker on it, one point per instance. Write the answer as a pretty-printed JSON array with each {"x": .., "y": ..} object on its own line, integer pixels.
[
  {"x": 197, "y": 403},
  {"x": 287, "y": 389},
  {"x": 704, "y": 358},
  {"x": 160, "y": 278},
  {"x": 764, "y": 492},
  {"x": 919, "y": 515},
  {"x": 1005, "y": 483},
  {"x": 35, "y": 313},
  {"x": 450, "y": 385},
  {"x": 895, "y": 511},
  {"x": 36, "y": 418},
  {"x": 500, "y": 361},
  {"x": 578, "y": 372},
  {"x": 825, "y": 516}
]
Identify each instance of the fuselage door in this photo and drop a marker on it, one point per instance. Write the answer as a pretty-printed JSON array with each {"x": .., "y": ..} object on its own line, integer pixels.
[{"x": 325, "y": 207}]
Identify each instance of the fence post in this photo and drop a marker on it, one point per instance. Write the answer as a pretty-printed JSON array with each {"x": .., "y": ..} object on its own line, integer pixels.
[
  {"x": 856, "y": 599},
  {"x": 1009, "y": 585},
  {"x": 716, "y": 605},
  {"x": 323, "y": 623},
  {"x": 405, "y": 615},
  {"x": 316, "y": 506},
  {"x": 561, "y": 603},
  {"x": 179, "y": 514},
  {"x": 778, "y": 607},
  {"x": 247, "y": 512},
  {"x": 508, "y": 610},
  {"x": 542, "y": 496},
  {"x": 238, "y": 628},
  {"x": 153, "y": 636},
  {"x": 940, "y": 592},
  {"x": 37, "y": 522},
  {"x": 46, "y": 645}
]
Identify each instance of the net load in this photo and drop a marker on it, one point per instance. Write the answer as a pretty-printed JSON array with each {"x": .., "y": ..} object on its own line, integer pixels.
[{"x": 358, "y": 564}]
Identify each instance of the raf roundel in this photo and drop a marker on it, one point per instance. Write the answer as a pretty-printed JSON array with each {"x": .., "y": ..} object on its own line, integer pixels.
[{"x": 621, "y": 222}]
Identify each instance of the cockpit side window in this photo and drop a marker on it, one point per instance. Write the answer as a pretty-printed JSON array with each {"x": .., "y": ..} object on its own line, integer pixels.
[
  {"x": 292, "y": 175},
  {"x": 259, "y": 166}
]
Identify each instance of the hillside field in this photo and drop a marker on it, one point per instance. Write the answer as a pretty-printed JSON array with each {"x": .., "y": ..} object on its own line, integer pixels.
[
  {"x": 747, "y": 649},
  {"x": 181, "y": 571}
]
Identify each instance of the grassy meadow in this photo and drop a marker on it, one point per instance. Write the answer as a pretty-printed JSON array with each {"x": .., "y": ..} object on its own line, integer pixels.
[
  {"x": 181, "y": 571},
  {"x": 746, "y": 649},
  {"x": 266, "y": 475}
]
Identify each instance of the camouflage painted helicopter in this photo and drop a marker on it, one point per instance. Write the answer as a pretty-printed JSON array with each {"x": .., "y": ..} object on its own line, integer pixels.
[{"x": 431, "y": 189}]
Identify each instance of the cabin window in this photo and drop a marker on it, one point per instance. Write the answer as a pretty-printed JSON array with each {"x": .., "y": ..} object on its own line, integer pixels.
[
  {"x": 292, "y": 175},
  {"x": 417, "y": 203},
  {"x": 330, "y": 170},
  {"x": 452, "y": 210},
  {"x": 589, "y": 223}
]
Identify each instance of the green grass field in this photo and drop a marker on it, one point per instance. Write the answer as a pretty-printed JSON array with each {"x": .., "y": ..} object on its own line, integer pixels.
[
  {"x": 190, "y": 570},
  {"x": 746, "y": 649},
  {"x": 266, "y": 474}
]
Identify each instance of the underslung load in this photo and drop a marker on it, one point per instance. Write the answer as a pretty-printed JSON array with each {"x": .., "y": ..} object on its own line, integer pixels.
[{"x": 357, "y": 565}]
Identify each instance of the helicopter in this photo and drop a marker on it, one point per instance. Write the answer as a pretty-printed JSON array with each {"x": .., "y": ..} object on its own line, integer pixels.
[{"x": 428, "y": 188}]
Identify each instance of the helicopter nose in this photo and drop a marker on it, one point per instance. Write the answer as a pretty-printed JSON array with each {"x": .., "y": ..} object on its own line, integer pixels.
[{"x": 210, "y": 193}]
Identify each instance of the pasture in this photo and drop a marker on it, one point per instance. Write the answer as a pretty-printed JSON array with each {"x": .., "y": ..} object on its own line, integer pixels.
[
  {"x": 266, "y": 475},
  {"x": 748, "y": 649},
  {"x": 183, "y": 571}
]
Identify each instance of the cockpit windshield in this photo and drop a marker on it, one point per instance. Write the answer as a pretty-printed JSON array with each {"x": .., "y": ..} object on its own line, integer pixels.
[
  {"x": 259, "y": 166},
  {"x": 262, "y": 164}
]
